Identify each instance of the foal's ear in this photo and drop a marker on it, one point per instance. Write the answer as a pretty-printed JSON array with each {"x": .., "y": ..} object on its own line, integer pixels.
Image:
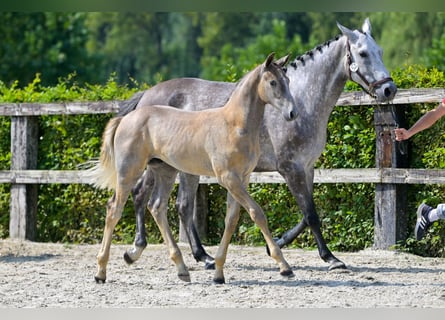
[
  {"x": 283, "y": 61},
  {"x": 269, "y": 59}
]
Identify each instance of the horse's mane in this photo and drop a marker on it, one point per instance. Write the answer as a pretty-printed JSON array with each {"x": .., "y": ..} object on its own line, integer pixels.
[{"x": 301, "y": 59}]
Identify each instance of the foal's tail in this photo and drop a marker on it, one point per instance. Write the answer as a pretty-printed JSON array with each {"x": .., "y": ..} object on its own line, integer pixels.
[{"x": 103, "y": 173}]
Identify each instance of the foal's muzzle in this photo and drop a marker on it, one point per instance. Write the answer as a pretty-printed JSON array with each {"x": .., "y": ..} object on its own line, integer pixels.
[{"x": 291, "y": 113}]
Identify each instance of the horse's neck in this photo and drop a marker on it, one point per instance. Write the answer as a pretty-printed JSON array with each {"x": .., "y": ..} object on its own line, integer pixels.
[
  {"x": 245, "y": 109},
  {"x": 320, "y": 78}
]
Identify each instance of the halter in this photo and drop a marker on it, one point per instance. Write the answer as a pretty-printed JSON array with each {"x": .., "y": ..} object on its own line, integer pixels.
[{"x": 353, "y": 67}]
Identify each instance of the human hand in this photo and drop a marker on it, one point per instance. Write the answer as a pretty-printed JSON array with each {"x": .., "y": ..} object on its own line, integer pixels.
[{"x": 401, "y": 134}]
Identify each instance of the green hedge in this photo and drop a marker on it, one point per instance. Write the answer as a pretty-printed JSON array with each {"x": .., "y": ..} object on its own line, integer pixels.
[{"x": 75, "y": 213}]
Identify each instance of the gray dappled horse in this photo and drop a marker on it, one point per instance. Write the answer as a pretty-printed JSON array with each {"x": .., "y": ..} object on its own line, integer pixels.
[
  {"x": 317, "y": 78},
  {"x": 219, "y": 142}
]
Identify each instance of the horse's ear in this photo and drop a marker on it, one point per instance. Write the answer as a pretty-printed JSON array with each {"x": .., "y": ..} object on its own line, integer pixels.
[
  {"x": 269, "y": 59},
  {"x": 366, "y": 28},
  {"x": 283, "y": 61},
  {"x": 347, "y": 32}
]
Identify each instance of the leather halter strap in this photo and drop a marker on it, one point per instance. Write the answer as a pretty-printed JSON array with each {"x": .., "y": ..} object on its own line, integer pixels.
[{"x": 353, "y": 68}]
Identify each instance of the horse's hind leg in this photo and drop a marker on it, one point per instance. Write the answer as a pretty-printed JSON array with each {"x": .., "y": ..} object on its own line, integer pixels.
[
  {"x": 188, "y": 185},
  {"x": 305, "y": 200},
  {"x": 164, "y": 179},
  {"x": 141, "y": 194}
]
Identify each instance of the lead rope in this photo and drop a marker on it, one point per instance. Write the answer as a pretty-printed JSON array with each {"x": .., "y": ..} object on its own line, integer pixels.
[{"x": 353, "y": 67}]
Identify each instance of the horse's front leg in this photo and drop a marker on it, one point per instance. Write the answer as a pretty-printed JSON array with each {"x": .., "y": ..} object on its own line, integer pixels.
[
  {"x": 141, "y": 194},
  {"x": 164, "y": 181},
  {"x": 301, "y": 186},
  {"x": 114, "y": 212},
  {"x": 185, "y": 204}
]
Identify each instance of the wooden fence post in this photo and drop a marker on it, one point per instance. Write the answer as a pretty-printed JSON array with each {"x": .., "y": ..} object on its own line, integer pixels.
[
  {"x": 23, "y": 201},
  {"x": 390, "y": 199}
]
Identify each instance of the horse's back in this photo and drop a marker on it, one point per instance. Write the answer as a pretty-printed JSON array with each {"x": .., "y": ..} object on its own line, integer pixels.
[{"x": 188, "y": 94}]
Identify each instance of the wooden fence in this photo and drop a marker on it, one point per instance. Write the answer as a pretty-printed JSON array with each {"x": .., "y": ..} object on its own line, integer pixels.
[{"x": 390, "y": 175}]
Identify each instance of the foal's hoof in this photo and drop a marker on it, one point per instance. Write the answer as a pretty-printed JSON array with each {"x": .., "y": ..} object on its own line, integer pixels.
[
  {"x": 337, "y": 264},
  {"x": 287, "y": 273},
  {"x": 219, "y": 280},
  {"x": 184, "y": 277},
  {"x": 127, "y": 258},
  {"x": 99, "y": 280}
]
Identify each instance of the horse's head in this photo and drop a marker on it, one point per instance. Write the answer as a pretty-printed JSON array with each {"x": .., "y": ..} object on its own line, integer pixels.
[
  {"x": 274, "y": 87},
  {"x": 365, "y": 63}
]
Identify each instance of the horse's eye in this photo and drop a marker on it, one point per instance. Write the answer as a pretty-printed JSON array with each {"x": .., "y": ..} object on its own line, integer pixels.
[
  {"x": 363, "y": 54},
  {"x": 273, "y": 83}
]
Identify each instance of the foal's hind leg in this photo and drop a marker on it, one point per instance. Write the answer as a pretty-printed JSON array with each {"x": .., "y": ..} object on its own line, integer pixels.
[
  {"x": 185, "y": 203},
  {"x": 141, "y": 194},
  {"x": 164, "y": 179},
  {"x": 115, "y": 207}
]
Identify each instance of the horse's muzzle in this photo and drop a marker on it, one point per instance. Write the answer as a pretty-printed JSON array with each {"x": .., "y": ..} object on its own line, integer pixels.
[{"x": 386, "y": 91}]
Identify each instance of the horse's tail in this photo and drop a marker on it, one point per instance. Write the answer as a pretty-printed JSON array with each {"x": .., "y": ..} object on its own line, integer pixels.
[
  {"x": 129, "y": 105},
  {"x": 103, "y": 174}
]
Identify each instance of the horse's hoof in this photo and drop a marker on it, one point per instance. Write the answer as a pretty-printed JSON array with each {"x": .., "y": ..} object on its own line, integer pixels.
[
  {"x": 99, "y": 280},
  {"x": 209, "y": 265},
  {"x": 287, "y": 273},
  {"x": 127, "y": 258},
  {"x": 184, "y": 277},
  {"x": 219, "y": 280},
  {"x": 336, "y": 265}
]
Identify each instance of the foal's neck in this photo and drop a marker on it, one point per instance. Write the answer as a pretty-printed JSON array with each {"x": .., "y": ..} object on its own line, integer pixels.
[{"x": 245, "y": 109}]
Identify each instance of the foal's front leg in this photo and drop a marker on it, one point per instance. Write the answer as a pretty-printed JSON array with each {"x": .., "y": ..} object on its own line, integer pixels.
[{"x": 238, "y": 192}]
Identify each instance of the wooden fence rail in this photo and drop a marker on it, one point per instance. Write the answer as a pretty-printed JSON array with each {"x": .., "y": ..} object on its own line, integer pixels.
[{"x": 390, "y": 175}]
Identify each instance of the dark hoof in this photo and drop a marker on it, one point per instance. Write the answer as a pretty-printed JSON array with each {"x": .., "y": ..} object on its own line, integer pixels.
[
  {"x": 209, "y": 265},
  {"x": 98, "y": 280},
  {"x": 287, "y": 273},
  {"x": 127, "y": 258},
  {"x": 219, "y": 281},
  {"x": 184, "y": 277},
  {"x": 334, "y": 265}
]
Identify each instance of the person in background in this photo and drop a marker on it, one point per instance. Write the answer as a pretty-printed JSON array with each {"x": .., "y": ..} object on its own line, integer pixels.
[{"x": 426, "y": 214}]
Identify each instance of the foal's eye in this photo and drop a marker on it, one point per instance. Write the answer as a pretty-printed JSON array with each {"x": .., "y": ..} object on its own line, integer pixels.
[
  {"x": 273, "y": 83},
  {"x": 363, "y": 54}
]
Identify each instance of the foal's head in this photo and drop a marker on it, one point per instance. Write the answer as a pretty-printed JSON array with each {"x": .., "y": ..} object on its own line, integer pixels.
[{"x": 274, "y": 87}]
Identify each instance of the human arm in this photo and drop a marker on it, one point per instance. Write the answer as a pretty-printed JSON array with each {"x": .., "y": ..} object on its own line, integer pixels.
[{"x": 424, "y": 122}]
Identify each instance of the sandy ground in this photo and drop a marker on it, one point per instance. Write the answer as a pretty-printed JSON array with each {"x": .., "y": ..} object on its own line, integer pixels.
[{"x": 56, "y": 275}]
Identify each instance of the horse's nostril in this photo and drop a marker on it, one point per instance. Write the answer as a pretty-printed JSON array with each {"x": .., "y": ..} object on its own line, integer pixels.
[{"x": 389, "y": 93}]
